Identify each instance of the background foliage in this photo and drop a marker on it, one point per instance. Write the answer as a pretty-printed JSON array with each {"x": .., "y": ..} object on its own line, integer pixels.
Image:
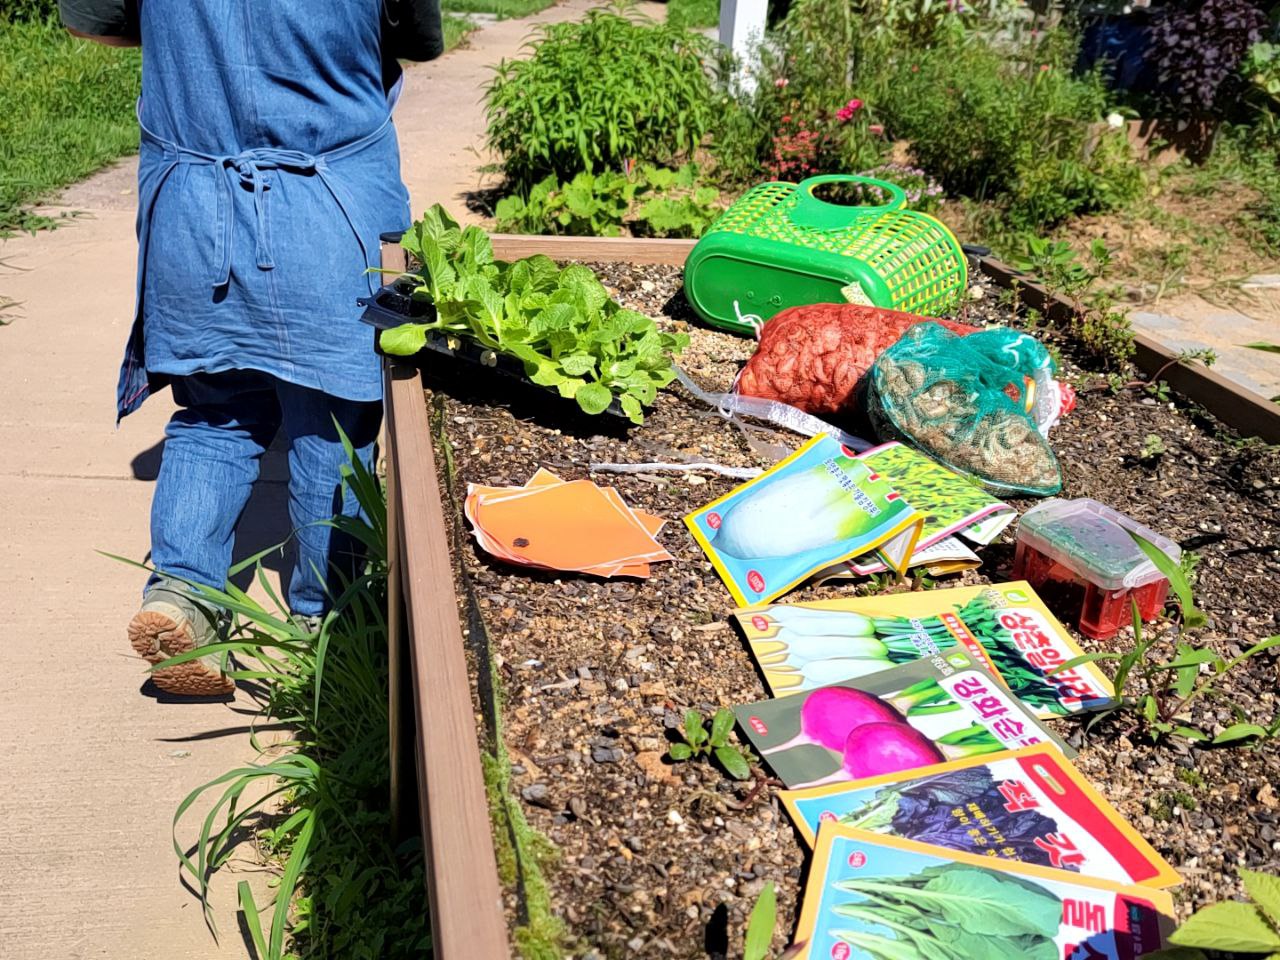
[
  {"x": 66, "y": 109},
  {"x": 598, "y": 94}
]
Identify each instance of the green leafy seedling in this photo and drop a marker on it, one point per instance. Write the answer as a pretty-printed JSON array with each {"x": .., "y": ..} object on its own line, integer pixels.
[
  {"x": 700, "y": 743},
  {"x": 760, "y": 925},
  {"x": 1233, "y": 926}
]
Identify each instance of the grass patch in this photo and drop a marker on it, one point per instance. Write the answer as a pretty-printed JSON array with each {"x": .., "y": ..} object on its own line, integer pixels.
[
  {"x": 693, "y": 14},
  {"x": 502, "y": 9},
  {"x": 456, "y": 30},
  {"x": 66, "y": 110}
]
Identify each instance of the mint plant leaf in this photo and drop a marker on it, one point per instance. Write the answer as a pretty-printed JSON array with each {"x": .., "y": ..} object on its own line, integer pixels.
[{"x": 1228, "y": 926}]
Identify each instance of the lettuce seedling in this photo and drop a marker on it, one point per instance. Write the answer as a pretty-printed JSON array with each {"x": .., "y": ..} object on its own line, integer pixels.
[{"x": 560, "y": 323}]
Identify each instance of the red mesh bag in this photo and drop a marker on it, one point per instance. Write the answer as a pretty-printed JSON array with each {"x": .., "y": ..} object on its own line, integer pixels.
[{"x": 812, "y": 357}]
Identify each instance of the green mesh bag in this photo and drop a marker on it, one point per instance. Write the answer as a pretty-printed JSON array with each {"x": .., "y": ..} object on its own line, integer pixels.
[{"x": 967, "y": 402}]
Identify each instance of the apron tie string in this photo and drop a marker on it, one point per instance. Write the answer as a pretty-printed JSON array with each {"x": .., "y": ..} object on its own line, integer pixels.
[{"x": 246, "y": 169}]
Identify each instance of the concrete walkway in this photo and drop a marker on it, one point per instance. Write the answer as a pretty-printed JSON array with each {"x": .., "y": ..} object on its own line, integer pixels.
[
  {"x": 1189, "y": 322},
  {"x": 94, "y": 763}
]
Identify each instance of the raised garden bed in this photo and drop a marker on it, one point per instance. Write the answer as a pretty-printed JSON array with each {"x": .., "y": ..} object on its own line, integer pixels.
[{"x": 656, "y": 860}]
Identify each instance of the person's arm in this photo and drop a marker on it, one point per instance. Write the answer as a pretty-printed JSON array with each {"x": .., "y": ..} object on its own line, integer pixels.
[
  {"x": 110, "y": 22},
  {"x": 412, "y": 30}
]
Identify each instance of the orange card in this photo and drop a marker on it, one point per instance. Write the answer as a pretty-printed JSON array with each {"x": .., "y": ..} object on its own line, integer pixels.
[{"x": 567, "y": 526}]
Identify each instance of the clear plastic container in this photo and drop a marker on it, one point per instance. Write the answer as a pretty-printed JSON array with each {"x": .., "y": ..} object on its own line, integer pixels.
[{"x": 1079, "y": 554}]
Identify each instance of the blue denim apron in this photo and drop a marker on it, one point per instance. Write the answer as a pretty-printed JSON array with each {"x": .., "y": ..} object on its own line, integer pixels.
[{"x": 268, "y": 170}]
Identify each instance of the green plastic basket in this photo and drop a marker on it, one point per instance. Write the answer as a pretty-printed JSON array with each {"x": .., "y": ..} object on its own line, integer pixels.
[{"x": 779, "y": 246}]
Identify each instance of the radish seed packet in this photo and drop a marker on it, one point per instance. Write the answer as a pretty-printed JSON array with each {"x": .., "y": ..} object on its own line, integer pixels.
[{"x": 918, "y": 714}]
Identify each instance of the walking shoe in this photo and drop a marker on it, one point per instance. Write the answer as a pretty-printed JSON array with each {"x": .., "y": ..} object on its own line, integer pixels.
[
  {"x": 171, "y": 622},
  {"x": 309, "y": 624}
]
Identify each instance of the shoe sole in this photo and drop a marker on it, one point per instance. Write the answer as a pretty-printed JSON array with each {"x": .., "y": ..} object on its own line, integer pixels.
[{"x": 156, "y": 636}]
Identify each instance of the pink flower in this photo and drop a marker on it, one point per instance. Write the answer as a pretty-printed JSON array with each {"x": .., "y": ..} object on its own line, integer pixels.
[
  {"x": 787, "y": 118},
  {"x": 854, "y": 104},
  {"x": 1044, "y": 68},
  {"x": 845, "y": 113},
  {"x": 781, "y": 82},
  {"x": 876, "y": 128}
]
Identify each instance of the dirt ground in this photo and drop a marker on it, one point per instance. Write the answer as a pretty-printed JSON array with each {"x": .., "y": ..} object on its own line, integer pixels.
[{"x": 657, "y": 860}]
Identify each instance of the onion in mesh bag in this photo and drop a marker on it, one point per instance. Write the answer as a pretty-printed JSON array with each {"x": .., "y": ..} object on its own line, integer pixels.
[
  {"x": 959, "y": 401},
  {"x": 812, "y": 357}
]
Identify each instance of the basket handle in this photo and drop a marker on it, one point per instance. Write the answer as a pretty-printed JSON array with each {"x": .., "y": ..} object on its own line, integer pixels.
[{"x": 809, "y": 211}]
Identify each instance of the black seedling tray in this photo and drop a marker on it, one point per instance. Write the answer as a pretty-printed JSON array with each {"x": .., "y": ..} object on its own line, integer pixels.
[{"x": 394, "y": 306}]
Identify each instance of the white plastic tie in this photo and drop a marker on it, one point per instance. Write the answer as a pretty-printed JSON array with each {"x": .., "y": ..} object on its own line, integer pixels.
[{"x": 731, "y": 405}]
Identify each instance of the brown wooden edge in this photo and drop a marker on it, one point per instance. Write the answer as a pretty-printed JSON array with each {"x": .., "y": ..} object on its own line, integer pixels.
[
  {"x": 1247, "y": 412},
  {"x": 467, "y": 918}
]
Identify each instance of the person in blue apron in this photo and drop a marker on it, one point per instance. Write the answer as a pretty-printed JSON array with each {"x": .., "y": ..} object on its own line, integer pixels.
[{"x": 268, "y": 170}]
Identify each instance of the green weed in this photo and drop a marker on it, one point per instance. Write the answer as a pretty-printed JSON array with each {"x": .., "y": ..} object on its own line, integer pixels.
[
  {"x": 345, "y": 888},
  {"x": 1166, "y": 688},
  {"x": 456, "y": 30},
  {"x": 701, "y": 743}
]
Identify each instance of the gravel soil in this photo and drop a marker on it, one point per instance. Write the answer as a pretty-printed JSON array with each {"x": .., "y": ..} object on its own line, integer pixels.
[{"x": 659, "y": 860}]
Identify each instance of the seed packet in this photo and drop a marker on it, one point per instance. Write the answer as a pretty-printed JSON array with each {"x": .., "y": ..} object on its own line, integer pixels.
[
  {"x": 1028, "y": 805},
  {"x": 817, "y": 507},
  {"x": 917, "y": 714},
  {"x": 948, "y": 555},
  {"x": 871, "y": 897},
  {"x": 1024, "y": 641},
  {"x": 951, "y": 504},
  {"x": 800, "y": 647}
]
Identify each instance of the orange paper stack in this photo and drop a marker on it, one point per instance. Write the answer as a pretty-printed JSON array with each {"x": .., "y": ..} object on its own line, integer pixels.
[{"x": 555, "y": 525}]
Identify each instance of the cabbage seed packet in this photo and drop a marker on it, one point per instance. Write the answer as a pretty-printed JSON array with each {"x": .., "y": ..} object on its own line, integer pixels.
[
  {"x": 872, "y": 897},
  {"x": 917, "y": 714},
  {"x": 1028, "y": 805},
  {"x": 819, "y": 506}
]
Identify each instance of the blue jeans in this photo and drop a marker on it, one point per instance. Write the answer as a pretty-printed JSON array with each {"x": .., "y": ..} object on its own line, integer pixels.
[{"x": 213, "y": 446}]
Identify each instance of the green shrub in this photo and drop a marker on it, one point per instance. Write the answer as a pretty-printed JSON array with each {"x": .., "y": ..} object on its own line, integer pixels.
[
  {"x": 990, "y": 114},
  {"x": 1022, "y": 132},
  {"x": 597, "y": 94},
  {"x": 787, "y": 127}
]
